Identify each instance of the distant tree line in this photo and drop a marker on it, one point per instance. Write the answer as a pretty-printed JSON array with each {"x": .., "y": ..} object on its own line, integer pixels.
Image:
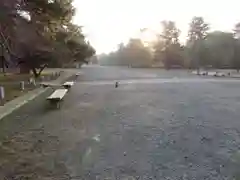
[
  {"x": 202, "y": 48},
  {"x": 35, "y": 34},
  {"x": 132, "y": 54}
]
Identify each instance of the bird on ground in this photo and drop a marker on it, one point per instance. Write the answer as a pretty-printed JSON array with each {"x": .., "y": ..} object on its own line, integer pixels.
[{"x": 116, "y": 85}]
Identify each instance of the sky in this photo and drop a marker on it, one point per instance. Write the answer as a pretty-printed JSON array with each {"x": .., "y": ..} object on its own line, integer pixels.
[{"x": 107, "y": 23}]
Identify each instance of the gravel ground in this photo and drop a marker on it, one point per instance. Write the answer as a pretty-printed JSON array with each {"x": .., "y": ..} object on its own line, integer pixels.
[{"x": 185, "y": 129}]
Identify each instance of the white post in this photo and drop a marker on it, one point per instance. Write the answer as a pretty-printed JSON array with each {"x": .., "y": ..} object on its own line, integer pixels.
[
  {"x": 34, "y": 82},
  {"x": 2, "y": 93},
  {"x": 22, "y": 85},
  {"x": 30, "y": 80}
]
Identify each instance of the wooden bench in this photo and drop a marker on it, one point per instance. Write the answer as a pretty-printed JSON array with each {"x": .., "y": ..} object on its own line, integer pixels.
[
  {"x": 203, "y": 73},
  {"x": 212, "y": 73},
  {"x": 57, "y": 96},
  {"x": 46, "y": 84},
  {"x": 68, "y": 85},
  {"x": 219, "y": 74}
]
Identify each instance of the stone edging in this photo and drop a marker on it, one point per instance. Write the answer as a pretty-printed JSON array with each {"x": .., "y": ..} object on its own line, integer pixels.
[
  {"x": 18, "y": 102},
  {"x": 13, "y": 105}
]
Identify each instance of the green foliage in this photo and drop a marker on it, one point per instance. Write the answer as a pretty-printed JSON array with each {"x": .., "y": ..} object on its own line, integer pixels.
[
  {"x": 8, "y": 17},
  {"x": 198, "y": 29},
  {"x": 217, "y": 49},
  {"x": 133, "y": 54},
  {"x": 203, "y": 48},
  {"x": 170, "y": 34},
  {"x": 72, "y": 45},
  {"x": 34, "y": 27},
  {"x": 167, "y": 48},
  {"x": 221, "y": 47}
]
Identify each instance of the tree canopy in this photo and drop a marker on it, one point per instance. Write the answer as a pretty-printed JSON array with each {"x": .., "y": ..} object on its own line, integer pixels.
[
  {"x": 167, "y": 48},
  {"x": 202, "y": 48},
  {"x": 40, "y": 33},
  {"x": 133, "y": 54}
]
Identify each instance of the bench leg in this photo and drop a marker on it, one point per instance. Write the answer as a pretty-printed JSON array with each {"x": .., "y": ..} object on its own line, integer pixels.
[
  {"x": 58, "y": 104},
  {"x": 55, "y": 104},
  {"x": 67, "y": 87}
]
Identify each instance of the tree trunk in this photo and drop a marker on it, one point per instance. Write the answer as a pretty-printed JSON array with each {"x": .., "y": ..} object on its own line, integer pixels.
[
  {"x": 3, "y": 65},
  {"x": 35, "y": 73},
  {"x": 38, "y": 73}
]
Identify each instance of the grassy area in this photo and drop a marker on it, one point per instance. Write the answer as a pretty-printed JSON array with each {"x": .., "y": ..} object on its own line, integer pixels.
[
  {"x": 14, "y": 92},
  {"x": 14, "y": 77},
  {"x": 11, "y": 84}
]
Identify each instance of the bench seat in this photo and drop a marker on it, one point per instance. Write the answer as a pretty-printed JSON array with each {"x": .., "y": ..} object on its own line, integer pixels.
[
  {"x": 68, "y": 84},
  {"x": 57, "y": 94}
]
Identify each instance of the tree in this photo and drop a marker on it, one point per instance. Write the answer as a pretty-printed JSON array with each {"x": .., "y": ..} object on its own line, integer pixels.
[
  {"x": 198, "y": 29},
  {"x": 137, "y": 53},
  {"x": 9, "y": 15},
  {"x": 94, "y": 60},
  {"x": 33, "y": 30},
  {"x": 221, "y": 48},
  {"x": 158, "y": 48},
  {"x": 29, "y": 47},
  {"x": 46, "y": 18},
  {"x": 217, "y": 50},
  {"x": 73, "y": 45},
  {"x": 49, "y": 16},
  {"x": 170, "y": 33},
  {"x": 197, "y": 32},
  {"x": 236, "y": 60},
  {"x": 168, "y": 48},
  {"x": 133, "y": 54},
  {"x": 237, "y": 30}
]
